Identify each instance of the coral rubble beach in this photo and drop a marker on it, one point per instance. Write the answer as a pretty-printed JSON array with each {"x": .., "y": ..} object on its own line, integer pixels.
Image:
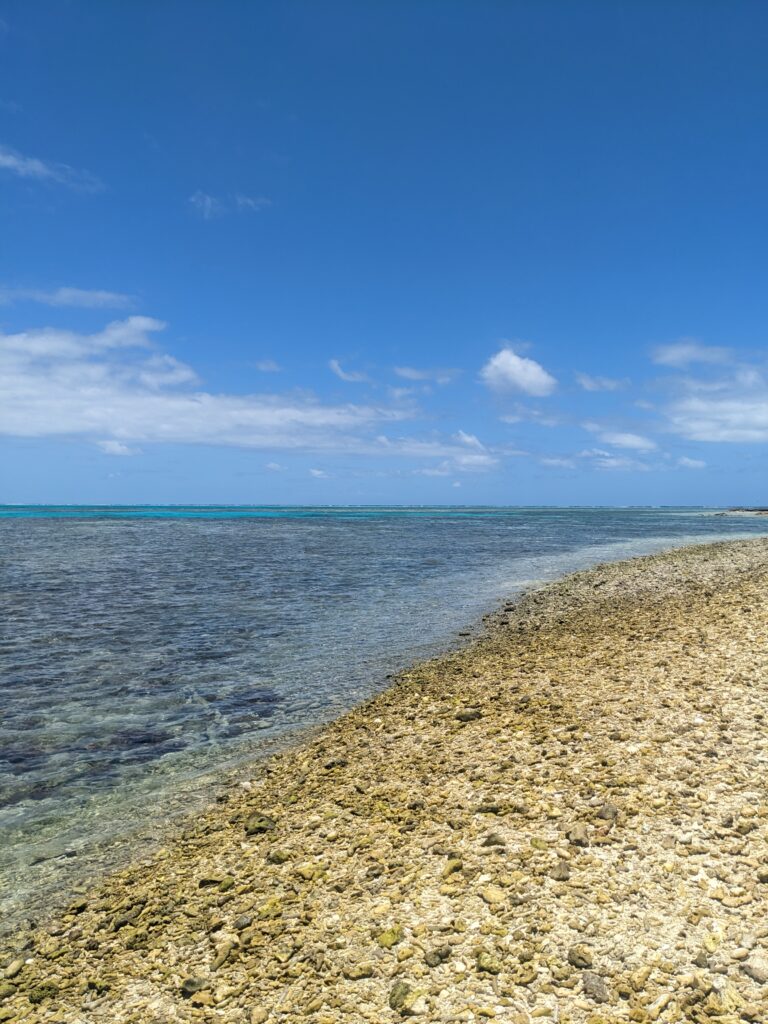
[{"x": 566, "y": 820}]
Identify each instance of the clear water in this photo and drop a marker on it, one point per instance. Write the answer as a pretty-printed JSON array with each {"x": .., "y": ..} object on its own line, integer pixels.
[{"x": 145, "y": 651}]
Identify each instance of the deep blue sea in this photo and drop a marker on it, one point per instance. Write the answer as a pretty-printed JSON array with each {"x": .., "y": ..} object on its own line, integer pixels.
[{"x": 145, "y": 652}]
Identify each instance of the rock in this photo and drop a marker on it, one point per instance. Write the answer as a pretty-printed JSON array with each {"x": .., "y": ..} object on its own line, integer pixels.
[
  {"x": 578, "y": 835},
  {"x": 257, "y": 824},
  {"x": 594, "y": 987},
  {"x": 389, "y": 938},
  {"x": 271, "y": 908},
  {"x": 434, "y": 957},
  {"x": 469, "y": 715},
  {"x": 14, "y": 968},
  {"x": 493, "y": 894},
  {"x": 222, "y": 955},
  {"x": 398, "y": 994},
  {"x": 580, "y": 956},
  {"x": 357, "y": 971},
  {"x": 127, "y": 917},
  {"x": 494, "y": 839},
  {"x": 453, "y": 865},
  {"x": 242, "y": 922},
  {"x": 488, "y": 963},
  {"x": 192, "y": 985},
  {"x": 276, "y": 856},
  {"x": 756, "y": 968},
  {"x": 46, "y": 990},
  {"x": 258, "y": 1015},
  {"x": 7, "y": 990},
  {"x": 608, "y": 812},
  {"x": 561, "y": 872}
]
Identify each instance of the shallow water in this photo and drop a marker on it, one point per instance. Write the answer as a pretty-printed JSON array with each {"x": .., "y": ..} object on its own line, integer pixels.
[{"x": 145, "y": 651}]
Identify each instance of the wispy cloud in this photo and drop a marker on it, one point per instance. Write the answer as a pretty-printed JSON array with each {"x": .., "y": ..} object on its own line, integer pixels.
[
  {"x": 589, "y": 383},
  {"x": 350, "y": 376},
  {"x": 508, "y": 371},
  {"x": 318, "y": 474},
  {"x": 266, "y": 366},
  {"x": 728, "y": 403},
  {"x": 600, "y": 459},
  {"x": 34, "y": 169},
  {"x": 209, "y": 207},
  {"x": 81, "y": 298},
  {"x": 683, "y": 353},
  {"x": 117, "y": 448},
  {"x": 621, "y": 439},
  {"x": 252, "y": 204},
  {"x": 687, "y": 463},
  {"x": 436, "y": 376}
]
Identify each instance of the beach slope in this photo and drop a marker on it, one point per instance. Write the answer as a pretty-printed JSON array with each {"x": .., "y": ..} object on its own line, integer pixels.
[{"x": 567, "y": 819}]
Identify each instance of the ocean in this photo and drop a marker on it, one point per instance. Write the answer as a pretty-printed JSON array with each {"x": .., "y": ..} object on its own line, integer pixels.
[{"x": 147, "y": 652}]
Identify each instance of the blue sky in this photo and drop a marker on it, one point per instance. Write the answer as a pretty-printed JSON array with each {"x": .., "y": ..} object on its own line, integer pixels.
[{"x": 418, "y": 252}]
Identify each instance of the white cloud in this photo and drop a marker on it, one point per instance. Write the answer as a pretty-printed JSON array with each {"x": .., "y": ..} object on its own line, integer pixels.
[
  {"x": 117, "y": 448},
  {"x": 161, "y": 371},
  {"x": 625, "y": 440},
  {"x": 350, "y": 376},
  {"x": 687, "y": 463},
  {"x": 266, "y": 366},
  {"x": 590, "y": 383},
  {"x": 436, "y": 376},
  {"x": 274, "y": 467},
  {"x": 507, "y": 371},
  {"x": 557, "y": 463},
  {"x": 319, "y": 474},
  {"x": 81, "y": 298},
  {"x": 114, "y": 385},
  {"x": 682, "y": 353},
  {"x": 33, "y": 169}
]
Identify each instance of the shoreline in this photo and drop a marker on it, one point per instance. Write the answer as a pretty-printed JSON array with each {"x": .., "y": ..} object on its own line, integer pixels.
[{"x": 475, "y": 840}]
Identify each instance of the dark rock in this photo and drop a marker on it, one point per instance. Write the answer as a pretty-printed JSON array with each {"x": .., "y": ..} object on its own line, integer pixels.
[
  {"x": 561, "y": 872},
  {"x": 257, "y": 824},
  {"x": 468, "y": 715},
  {"x": 494, "y": 839},
  {"x": 594, "y": 987},
  {"x": 436, "y": 956},
  {"x": 191, "y": 985}
]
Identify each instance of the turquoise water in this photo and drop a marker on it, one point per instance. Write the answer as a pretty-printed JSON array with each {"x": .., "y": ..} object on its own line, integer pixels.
[{"x": 146, "y": 650}]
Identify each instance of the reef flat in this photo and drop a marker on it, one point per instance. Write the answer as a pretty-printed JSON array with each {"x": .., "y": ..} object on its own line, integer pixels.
[{"x": 566, "y": 819}]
